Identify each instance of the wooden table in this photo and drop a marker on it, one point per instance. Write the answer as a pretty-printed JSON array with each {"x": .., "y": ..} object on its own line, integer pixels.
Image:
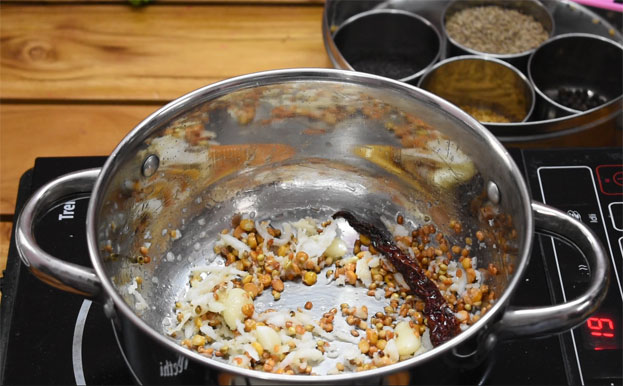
[{"x": 76, "y": 77}]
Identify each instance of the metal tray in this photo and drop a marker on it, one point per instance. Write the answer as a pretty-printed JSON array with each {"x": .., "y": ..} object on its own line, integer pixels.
[{"x": 568, "y": 17}]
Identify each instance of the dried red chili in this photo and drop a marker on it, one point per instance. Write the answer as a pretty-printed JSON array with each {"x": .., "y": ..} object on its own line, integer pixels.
[{"x": 441, "y": 320}]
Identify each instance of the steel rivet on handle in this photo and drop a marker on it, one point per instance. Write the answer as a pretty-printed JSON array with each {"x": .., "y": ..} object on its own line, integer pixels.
[
  {"x": 150, "y": 165},
  {"x": 493, "y": 192}
]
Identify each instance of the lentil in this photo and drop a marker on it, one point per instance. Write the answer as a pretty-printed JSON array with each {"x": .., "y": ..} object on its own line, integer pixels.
[
  {"x": 248, "y": 310},
  {"x": 277, "y": 284},
  {"x": 310, "y": 278},
  {"x": 364, "y": 346},
  {"x": 265, "y": 270}
]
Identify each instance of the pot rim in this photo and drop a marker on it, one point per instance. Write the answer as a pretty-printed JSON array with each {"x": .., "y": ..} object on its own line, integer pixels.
[{"x": 192, "y": 99}]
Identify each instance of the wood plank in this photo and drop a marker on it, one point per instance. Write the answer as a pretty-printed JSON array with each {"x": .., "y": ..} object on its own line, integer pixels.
[
  {"x": 5, "y": 237},
  {"x": 31, "y": 131},
  {"x": 154, "y": 53}
]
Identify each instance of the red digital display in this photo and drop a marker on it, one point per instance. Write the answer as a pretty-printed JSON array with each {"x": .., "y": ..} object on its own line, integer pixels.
[
  {"x": 601, "y": 333},
  {"x": 601, "y": 327}
]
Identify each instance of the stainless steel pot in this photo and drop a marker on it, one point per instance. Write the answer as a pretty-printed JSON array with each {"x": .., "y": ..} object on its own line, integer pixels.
[{"x": 282, "y": 145}]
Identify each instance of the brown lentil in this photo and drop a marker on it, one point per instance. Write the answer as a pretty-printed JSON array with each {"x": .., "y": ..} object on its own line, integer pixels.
[
  {"x": 248, "y": 309},
  {"x": 277, "y": 284}
]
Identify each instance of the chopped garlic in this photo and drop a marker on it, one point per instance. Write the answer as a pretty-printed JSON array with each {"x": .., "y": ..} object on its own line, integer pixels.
[
  {"x": 407, "y": 341},
  {"x": 268, "y": 338},
  {"x": 236, "y": 298},
  {"x": 336, "y": 249}
]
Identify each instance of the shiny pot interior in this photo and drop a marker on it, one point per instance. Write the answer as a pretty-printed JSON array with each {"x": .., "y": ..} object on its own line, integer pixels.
[{"x": 286, "y": 144}]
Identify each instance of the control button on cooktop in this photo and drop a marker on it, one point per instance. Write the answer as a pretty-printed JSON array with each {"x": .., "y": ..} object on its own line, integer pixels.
[
  {"x": 610, "y": 179},
  {"x": 616, "y": 215}
]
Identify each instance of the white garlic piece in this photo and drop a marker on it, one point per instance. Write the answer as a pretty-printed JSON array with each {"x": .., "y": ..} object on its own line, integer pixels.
[
  {"x": 268, "y": 338},
  {"x": 363, "y": 271},
  {"x": 336, "y": 249},
  {"x": 407, "y": 340},
  {"x": 236, "y": 298},
  {"x": 392, "y": 350}
]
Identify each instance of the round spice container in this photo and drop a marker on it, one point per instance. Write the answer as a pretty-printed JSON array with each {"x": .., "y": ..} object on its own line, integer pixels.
[
  {"x": 576, "y": 72},
  {"x": 392, "y": 43},
  {"x": 508, "y": 30},
  {"x": 489, "y": 89}
]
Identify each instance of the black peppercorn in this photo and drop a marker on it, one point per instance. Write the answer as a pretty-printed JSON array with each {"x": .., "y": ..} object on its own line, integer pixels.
[{"x": 579, "y": 98}]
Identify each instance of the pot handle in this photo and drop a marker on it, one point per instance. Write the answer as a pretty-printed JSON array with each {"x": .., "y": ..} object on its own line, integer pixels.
[
  {"x": 541, "y": 321},
  {"x": 47, "y": 268}
]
